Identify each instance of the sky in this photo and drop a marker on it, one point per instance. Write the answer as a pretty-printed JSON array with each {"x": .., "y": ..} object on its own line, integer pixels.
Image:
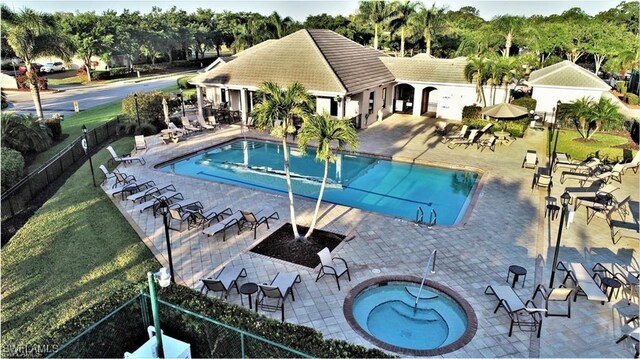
[{"x": 300, "y": 9}]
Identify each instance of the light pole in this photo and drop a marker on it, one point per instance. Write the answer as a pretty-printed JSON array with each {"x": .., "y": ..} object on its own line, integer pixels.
[
  {"x": 557, "y": 126},
  {"x": 85, "y": 146},
  {"x": 181, "y": 101},
  {"x": 163, "y": 207},
  {"x": 565, "y": 201},
  {"x": 135, "y": 99},
  {"x": 164, "y": 279}
]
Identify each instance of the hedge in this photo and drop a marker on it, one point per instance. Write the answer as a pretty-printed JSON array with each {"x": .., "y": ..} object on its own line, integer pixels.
[
  {"x": 471, "y": 112},
  {"x": 206, "y": 339},
  {"x": 149, "y": 107},
  {"x": 632, "y": 99},
  {"x": 516, "y": 128},
  {"x": 183, "y": 82},
  {"x": 527, "y": 102},
  {"x": 620, "y": 86},
  {"x": 12, "y": 165}
]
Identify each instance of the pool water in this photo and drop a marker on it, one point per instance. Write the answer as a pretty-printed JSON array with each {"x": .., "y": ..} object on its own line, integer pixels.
[
  {"x": 388, "y": 313},
  {"x": 391, "y": 188}
]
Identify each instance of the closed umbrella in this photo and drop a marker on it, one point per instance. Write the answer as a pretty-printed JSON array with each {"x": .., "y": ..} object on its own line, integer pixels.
[
  {"x": 165, "y": 108},
  {"x": 504, "y": 112}
]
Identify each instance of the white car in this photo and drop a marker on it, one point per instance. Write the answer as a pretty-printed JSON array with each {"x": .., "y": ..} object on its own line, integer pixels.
[{"x": 52, "y": 67}]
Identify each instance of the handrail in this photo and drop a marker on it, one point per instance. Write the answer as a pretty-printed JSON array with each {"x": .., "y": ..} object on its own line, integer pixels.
[
  {"x": 431, "y": 263},
  {"x": 419, "y": 215},
  {"x": 433, "y": 218}
]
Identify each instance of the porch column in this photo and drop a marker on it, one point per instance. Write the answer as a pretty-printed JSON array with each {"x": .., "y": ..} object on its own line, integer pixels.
[
  {"x": 417, "y": 100},
  {"x": 199, "y": 94},
  {"x": 243, "y": 105}
]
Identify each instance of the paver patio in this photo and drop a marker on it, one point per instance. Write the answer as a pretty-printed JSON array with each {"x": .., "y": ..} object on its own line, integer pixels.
[{"x": 505, "y": 226}]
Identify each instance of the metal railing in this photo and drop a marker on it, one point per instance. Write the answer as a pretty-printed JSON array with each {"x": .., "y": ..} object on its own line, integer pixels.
[{"x": 17, "y": 198}]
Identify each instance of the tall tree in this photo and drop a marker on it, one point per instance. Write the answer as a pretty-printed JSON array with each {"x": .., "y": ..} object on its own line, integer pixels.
[
  {"x": 430, "y": 21},
  {"x": 129, "y": 34},
  {"x": 275, "y": 112},
  {"x": 589, "y": 116},
  {"x": 607, "y": 41},
  {"x": 32, "y": 34},
  {"x": 91, "y": 35},
  {"x": 476, "y": 70},
  {"x": 510, "y": 27},
  {"x": 399, "y": 21},
  {"x": 278, "y": 26},
  {"x": 376, "y": 13},
  {"x": 326, "y": 130}
]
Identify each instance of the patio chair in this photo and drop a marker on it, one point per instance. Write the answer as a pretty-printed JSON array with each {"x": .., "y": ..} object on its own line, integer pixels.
[
  {"x": 155, "y": 201},
  {"x": 585, "y": 284},
  {"x": 129, "y": 188},
  {"x": 461, "y": 134},
  {"x": 621, "y": 229},
  {"x": 187, "y": 125},
  {"x": 141, "y": 144},
  {"x": 331, "y": 267},
  {"x": 542, "y": 181},
  {"x": 279, "y": 289},
  {"x": 176, "y": 129},
  {"x": 635, "y": 336},
  {"x": 591, "y": 191},
  {"x": 203, "y": 124},
  {"x": 523, "y": 314},
  {"x": 253, "y": 221},
  {"x": 626, "y": 275},
  {"x": 489, "y": 143},
  {"x": 485, "y": 129},
  {"x": 203, "y": 217},
  {"x": 584, "y": 178},
  {"x": 555, "y": 295},
  {"x": 223, "y": 225},
  {"x": 597, "y": 208},
  {"x": 182, "y": 214},
  {"x": 530, "y": 160},
  {"x": 109, "y": 175},
  {"x": 152, "y": 191},
  {"x": 224, "y": 281},
  {"x": 586, "y": 166},
  {"x": 633, "y": 165},
  {"x": 124, "y": 159},
  {"x": 467, "y": 141}
]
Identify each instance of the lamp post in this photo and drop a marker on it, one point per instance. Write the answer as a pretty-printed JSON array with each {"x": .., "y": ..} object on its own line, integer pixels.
[
  {"x": 557, "y": 126},
  {"x": 135, "y": 99},
  {"x": 164, "y": 279},
  {"x": 163, "y": 207},
  {"x": 181, "y": 101},
  {"x": 565, "y": 201},
  {"x": 85, "y": 146}
]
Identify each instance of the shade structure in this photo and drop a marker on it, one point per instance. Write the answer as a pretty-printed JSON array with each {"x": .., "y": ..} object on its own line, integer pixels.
[
  {"x": 504, "y": 111},
  {"x": 165, "y": 108}
]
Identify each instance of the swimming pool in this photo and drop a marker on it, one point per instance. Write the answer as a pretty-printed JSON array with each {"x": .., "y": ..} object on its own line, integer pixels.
[{"x": 369, "y": 183}]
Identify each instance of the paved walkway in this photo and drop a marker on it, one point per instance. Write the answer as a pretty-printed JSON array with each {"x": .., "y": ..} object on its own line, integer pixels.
[{"x": 505, "y": 226}]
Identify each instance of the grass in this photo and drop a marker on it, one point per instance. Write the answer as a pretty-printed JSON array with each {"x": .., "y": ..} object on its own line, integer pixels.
[
  {"x": 581, "y": 150},
  {"x": 75, "y": 250},
  {"x": 72, "y": 80}
]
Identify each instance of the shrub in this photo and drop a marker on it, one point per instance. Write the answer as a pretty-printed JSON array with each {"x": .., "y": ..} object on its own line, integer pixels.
[
  {"x": 527, "y": 102},
  {"x": 183, "y": 83},
  {"x": 119, "y": 71},
  {"x": 5, "y": 103},
  {"x": 517, "y": 128},
  {"x": 620, "y": 86},
  {"x": 23, "y": 83},
  {"x": 23, "y": 133},
  {"x": 12, "y": 166},
  {"x": 130, "y": 127},
  {"x": 631, "y": 98},
  {"x": 55, "y": 128},
  {"x": 149, "y": 107},
  {"x": 470, "y": 112},
  {"x": 100, "y": 75}
]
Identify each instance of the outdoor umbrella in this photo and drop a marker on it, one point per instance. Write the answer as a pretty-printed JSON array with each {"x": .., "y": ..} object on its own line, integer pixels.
[
  {"x": 165, "y": 107},
  {"x": 504, "y": 112}
]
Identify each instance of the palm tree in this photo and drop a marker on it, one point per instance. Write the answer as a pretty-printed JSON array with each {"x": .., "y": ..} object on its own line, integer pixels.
[
  {"x": 580, "y": 112},
  {"x": 399, "y": 22},
  {"x": 605, "y": 115},
  {"x": 279, "y": 27},
  {"x": 376, "y": 13},
  {"x": 23, "y": 133},
  {"x": 275, "y": 112},
  {"x": 496, "y": 71},
  {"x": 510, "y": 26},
  {"x": 476, "y": 70},
  {"x": 31, "y": 35},
  {"x": 430, "y": 21},
  {"x": 326, "y": 130}
]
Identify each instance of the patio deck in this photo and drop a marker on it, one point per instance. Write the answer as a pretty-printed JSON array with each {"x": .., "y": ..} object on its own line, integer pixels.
[{"x": 506, "y": 226}]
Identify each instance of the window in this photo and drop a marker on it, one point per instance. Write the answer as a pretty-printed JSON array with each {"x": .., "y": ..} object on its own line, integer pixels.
[
  {"x": 333, "y": 110},
  {"x": 384, "y": 97},
  {"x": 223, "y": 95},
  {"x": 372, "y": 95}
]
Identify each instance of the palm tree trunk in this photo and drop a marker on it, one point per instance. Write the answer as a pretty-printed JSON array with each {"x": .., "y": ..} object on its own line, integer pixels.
[
  {"x": 218, "y": 50},
  {"x": 375, "y": 36},
  {"x": 88, "y": 71},
  {"x": 289, "y": 188},
  {"x": 315, "y": 213},
  {"x": 428, "y": 41},
  {"x": 35, "y": 93},
  {"x": 402, "y": 43},
  {"x": 508, "y": 44}
]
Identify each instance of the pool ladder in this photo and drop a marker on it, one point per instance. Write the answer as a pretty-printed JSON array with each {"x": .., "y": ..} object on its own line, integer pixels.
[
  {"x": 431, "y": 263},
  {"x": 433, "y": 217}
]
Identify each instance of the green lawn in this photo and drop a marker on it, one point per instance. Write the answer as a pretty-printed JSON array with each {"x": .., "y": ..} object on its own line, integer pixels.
[
  {"x": 72, "y": 80},
  {"x": 76, "y": 250},
  {"x": 581, "y": 150}
]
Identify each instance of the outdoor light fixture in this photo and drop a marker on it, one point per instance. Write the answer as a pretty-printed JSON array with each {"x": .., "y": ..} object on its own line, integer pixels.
[
  {"x": 135, "y": 99},
  {"x": 163, "y": 207},
  {"x": 85, "y": 147},
  {"x": 564, "y": 199},
  {"x": 164, "y": 279}
]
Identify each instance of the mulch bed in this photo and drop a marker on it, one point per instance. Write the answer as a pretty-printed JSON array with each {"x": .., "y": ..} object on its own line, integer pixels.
[{"x": 281, "y": 245}]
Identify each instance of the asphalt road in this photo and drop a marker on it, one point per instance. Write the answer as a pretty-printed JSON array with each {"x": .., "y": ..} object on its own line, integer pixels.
[{"x": 87, "y": 96}]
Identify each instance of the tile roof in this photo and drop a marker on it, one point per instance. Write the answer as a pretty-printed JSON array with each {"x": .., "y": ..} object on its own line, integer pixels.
[
  {"x": 566, "y": 74},
  {"x": 426, "y": 69},
  {"x": 321, "y": 60}
]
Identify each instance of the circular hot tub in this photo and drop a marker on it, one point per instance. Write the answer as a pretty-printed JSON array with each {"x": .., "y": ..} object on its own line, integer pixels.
[{"x": 385, "y": 311}]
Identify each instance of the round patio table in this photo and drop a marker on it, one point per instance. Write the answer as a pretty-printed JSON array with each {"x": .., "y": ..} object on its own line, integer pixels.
[{"x": 248, "y": 289}]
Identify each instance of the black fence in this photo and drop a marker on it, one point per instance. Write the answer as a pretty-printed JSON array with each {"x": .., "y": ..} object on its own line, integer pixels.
[{"x": 17, "y": 198}]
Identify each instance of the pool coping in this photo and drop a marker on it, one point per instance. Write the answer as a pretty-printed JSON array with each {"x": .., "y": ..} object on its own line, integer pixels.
[
  {"x": 472, "y": 320},
  {"x": 461, "y": 222}
]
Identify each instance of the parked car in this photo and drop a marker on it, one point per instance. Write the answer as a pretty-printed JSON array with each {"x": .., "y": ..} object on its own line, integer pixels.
[
  {"x": 22, "y": 69},
  {"x": 52, "y": 67}
]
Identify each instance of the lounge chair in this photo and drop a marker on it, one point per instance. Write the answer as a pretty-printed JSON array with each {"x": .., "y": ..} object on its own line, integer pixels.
[
  {"x": 441, "y": 128},
  {"x": 585, "y": 284},
  {"x": 597, "y": 208},
  {"x": 627, "y": 276},
  {"x": 530, "y": 160},
  {"x": 633, "y": 165},
  {"x": 331, "y": 267},
  {"x": 183, "y": 214},
  {"x": 460, "y": 135},
  {"x": 181, "y": 132},
  {"x": 141, "y": 144},
  {"x": 555, "y": 295},
  {"x": 149, "y": 192},
  {"x": 203, "y": 217},
  {"x": 484, "y": 129},
  {"x": 542, "y": 181},
  {"x": 489, "y": 143},
  {"x": 109, "y": 175},
  {"x": 129, "y": 188},
  {"x": 212, "y": 121},
  {"x": 253, "y": 221},
  {"x": 187, "y": 125},
  {"x": 586, "y": 166},
  {"x": 125, "y": 159},
  {"x": 223, "y": 225},
  {"x": 591, "y": 191},
  {"x": 584, "y": 178},
  {"x": 471, "y": 139},
  {"x": 634, "y": 335},
  {"x": 281, "y": 286},
  {"x": 523, "y": 314},
  {"x": 224, "y": 281},
  {"x": 621, "y": 229},
  {"x": 155, "y": 201},
  {"x": 203, "y": 124}
]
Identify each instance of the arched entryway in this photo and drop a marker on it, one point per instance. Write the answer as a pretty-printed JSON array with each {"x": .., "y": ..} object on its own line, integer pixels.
[
  {"x": 429, "y": 101},
  {"x": 403, "y": 98}
]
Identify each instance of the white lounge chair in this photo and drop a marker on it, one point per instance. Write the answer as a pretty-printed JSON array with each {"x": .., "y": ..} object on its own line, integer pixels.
[
  {"x": 124, "y": 159},
  {"x": 224, "y": 281},
  {"x": 108, "y": 175},
  {"x": 595, "y": 208},
  {"x": 461, "y": 134},
  {"x": 554, "y": 295},
  {"x": 489, "y": 143},
  {"x": 633, "y": 165},
  {"x": 331, "y": 267},
  {"x": 591, "y": 191},
  {"x": 471, "y": 139},
  {"x": 141, "y": 144},
  {"x": 523, "y": 314},
  {"x": 181, "y": 132},
  {"x": 530, "y": 160},
  {"x": 187, "y": 125},
  {"x": 585, "y": 283},
  {"x": 621, "y": 229},
  {"x": 223, "y": 225},
  {"x": 584, "y": 178},
  {"x": 585, "y": 166},
  {"x": 203, "y": 124},
  {"x": 279, "y": 289}
]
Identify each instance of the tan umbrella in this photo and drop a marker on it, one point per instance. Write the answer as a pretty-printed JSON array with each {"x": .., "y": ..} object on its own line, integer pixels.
[
  {"x": 165, "y": 107},
  {"x": 505, "y": 111}
]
